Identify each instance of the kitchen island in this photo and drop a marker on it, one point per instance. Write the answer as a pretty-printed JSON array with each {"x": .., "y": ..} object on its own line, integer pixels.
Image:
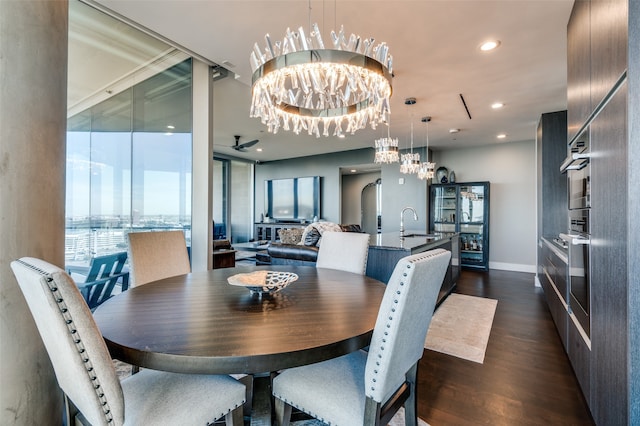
[{"x": 386, "y": 249}]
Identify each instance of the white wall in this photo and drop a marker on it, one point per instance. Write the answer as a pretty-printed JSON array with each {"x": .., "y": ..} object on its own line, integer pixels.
[
  {"x": 352, "y": 186},
  {"x": 511, "y": 170}
]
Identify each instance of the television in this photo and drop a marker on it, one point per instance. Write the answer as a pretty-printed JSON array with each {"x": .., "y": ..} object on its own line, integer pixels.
[{"x": 292, "y": 199}]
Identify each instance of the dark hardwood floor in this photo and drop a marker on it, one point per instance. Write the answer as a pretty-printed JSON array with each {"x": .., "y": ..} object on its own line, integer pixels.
[{"x": 526, "y": 378}]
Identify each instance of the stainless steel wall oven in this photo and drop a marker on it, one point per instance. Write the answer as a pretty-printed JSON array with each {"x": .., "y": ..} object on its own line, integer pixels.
[{"x": 578, "y": 169}]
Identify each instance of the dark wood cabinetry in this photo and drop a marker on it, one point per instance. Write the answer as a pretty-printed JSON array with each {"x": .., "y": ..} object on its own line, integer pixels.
[
  {"x": 597, "y": 51},
  {"x": 385, "y": 250},
  {"x": 580, "y": 356},
  {"x": 553, "y": 278},
  {"x": 578, "y": 67},
  {"x": 603, "y": 64},
  {"x": 609, "y": 256},
  {"x": 551, "y": 148},
  {"x": 608, "y": 45}
]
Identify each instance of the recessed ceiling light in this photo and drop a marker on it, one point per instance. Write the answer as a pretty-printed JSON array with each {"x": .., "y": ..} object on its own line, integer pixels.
[
  {"x": 454, "y": 130},
  {"x": 353, "y": 170},
  {"x": 259, "y": 149},
  {"x": 501, "y": 136},
  {"x": 497, "y": 105},
  {"x": 171, "y": 126},
  {"x": 489, "y": 45}
]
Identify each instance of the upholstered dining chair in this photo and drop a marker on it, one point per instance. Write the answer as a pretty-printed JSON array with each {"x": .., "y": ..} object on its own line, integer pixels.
[
  {"x": 157, "y": 255},
  {"x": 87, "y": 376},
  {"x": 367, "y": 388},
  {"x": 346, "y": 251}
]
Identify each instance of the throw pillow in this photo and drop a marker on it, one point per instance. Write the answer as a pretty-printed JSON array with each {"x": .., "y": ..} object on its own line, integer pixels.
[
  {"x": 312, "y": 237},
  {"x": 290, "y": 235},
  {"x": 320, "y": 227}
]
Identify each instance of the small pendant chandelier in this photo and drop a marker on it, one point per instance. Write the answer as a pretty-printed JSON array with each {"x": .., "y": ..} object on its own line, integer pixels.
[
  {"x": 298, "y": 84},
  {"x": 386, "y": 149},
  {"x": 426, "y": 168},
  {"x": 410, "y": 162}
]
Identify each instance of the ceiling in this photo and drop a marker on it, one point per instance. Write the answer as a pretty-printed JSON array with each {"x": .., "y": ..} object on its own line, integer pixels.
[{"x": 436, "y": 56}]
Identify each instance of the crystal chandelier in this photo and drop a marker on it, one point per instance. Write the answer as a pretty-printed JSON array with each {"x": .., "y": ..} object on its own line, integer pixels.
[
  {"x": 410, "y": 162},
  {"x": 298, "y": 84},
  {"x": 386, "y": 149},
  {"x": 426, "y": 168}
]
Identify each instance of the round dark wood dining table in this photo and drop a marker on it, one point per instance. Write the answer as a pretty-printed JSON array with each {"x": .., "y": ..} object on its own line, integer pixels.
[{"x": 198, "y": 323}]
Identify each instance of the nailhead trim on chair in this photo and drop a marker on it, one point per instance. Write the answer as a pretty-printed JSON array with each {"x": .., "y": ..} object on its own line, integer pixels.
[
  {"x": 298, "y": 407},
  {"x": 76, "y": 339},
  {"x": 393, "y": 309}
]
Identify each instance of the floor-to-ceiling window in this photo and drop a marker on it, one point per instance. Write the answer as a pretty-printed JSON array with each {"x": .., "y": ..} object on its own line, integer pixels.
[
  {"x": 129, "y": 135},
  {"x": 233, "y": 200},
  {"x": 221, "y": 197}
]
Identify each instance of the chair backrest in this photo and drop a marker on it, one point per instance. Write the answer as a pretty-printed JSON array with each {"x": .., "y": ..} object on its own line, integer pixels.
[
  {"x": 104, "y": 273},
  {"x": 78, "y": 353},
  {"x": 157, "y": 255},
  {"x": 403, "y": 321},
  {"x": 346, "y": 251}
]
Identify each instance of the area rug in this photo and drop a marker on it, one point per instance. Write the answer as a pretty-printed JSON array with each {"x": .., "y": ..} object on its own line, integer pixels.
[
  {"x": 397, "y": 420},
  {"x": 461, "y": 327}
]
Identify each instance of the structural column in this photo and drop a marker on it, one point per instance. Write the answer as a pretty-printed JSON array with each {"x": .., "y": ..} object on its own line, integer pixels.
[
  {"x": 202, "y": 172},
  {"x": 33, "y": 92}
]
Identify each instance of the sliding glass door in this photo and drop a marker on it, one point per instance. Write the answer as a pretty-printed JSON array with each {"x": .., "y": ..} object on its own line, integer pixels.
[{"x": 232, "y": 200}]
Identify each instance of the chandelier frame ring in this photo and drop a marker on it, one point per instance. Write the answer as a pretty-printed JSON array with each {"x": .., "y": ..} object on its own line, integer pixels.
[
  {"x": 322, "y": 56},
  {"x": 333, "y": 56}
]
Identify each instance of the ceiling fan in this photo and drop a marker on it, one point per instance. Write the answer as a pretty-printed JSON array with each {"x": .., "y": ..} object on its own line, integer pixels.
[{"x": 242, "y": 146}]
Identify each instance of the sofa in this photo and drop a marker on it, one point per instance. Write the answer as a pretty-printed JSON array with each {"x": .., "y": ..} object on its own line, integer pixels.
[{"x": 300, "y": 247}]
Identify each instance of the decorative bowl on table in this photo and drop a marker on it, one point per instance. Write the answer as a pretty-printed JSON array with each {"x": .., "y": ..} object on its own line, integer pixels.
[{"x": 263, "y": 282}]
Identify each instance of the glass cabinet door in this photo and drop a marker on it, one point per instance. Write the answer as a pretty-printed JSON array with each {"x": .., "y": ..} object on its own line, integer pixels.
[
  {"x": 471, "y": 200},
  {"x": 463, "y": 208},
  {"x": 444, "y": 208}
]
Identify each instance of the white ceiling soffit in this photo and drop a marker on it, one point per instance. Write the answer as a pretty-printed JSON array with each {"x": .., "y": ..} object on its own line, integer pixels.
[{"x": 107, "y": 56}]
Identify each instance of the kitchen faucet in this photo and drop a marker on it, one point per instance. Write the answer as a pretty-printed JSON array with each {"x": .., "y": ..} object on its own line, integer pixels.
[{"x": 415, "y": 217}]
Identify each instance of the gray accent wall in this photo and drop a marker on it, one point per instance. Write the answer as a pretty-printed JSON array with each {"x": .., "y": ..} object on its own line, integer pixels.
[
  {"x": 412, "y": 192},
  {"x": 395, "y": 196},
  {"x": 326, "y": 166},
  {"x": 510, "y": 167},
  {"x": 511, "y": 170}
]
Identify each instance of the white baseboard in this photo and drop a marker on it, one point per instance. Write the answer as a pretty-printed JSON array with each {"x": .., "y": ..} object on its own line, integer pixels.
[
  {"x": 515, "y": 267},
  {"x": 536, "y": 282}
]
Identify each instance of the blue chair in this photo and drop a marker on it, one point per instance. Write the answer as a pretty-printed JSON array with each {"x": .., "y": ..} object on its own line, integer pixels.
[
  {"x": 103, "y": 274},
  {"x": 367, "y": 388}
]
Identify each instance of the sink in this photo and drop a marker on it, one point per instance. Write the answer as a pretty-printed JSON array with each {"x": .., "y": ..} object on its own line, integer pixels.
[{"x": 429, "y": 236}]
